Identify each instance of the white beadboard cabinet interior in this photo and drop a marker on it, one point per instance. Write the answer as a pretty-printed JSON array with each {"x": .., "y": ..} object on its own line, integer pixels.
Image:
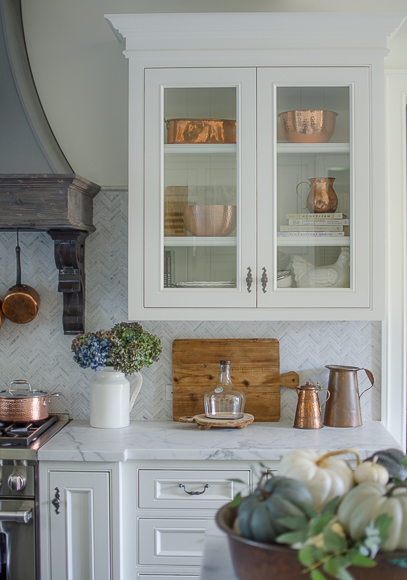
[{"x": 250, "y": 68}]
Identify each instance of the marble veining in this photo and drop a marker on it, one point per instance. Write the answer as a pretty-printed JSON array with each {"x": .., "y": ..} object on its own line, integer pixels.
[{"x": 168, "y": 440}]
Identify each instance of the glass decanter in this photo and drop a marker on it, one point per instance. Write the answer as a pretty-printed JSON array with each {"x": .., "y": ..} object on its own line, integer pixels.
[{"x": 224, "y": 401}]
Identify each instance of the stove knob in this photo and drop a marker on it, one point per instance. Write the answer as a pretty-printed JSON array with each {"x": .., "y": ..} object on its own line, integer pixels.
[{"x": 18, "y": 479}]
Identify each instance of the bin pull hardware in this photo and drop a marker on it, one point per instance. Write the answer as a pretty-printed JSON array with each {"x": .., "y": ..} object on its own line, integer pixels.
[{"x": 194, "y": 492}]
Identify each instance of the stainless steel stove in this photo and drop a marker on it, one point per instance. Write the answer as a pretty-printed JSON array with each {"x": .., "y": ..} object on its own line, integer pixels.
[{"x": 19, "y": 445}]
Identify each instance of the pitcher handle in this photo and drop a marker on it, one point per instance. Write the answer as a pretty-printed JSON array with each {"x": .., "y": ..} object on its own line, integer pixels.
[
  {"x": 326, "y": 400},
  {"x": 371, "y": 379},
  {"x": 136, "y": 390},
  {"x": 296, "y": 191}
]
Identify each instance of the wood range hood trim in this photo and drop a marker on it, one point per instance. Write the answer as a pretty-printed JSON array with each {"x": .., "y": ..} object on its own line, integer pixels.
[{"x": 61, "y": 205}]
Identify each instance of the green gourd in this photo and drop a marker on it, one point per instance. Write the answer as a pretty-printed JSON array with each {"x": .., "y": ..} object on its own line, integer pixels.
[{"x": 280, "y": 497}]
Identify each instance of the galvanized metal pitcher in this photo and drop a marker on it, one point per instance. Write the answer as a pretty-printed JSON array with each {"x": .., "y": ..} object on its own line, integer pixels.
[{"x": 343, "y": 407}]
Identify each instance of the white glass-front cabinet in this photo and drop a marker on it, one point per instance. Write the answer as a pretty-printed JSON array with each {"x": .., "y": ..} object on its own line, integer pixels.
[
  {"x": 256, "y": 171},
  {"x": 228, "y": 223}
]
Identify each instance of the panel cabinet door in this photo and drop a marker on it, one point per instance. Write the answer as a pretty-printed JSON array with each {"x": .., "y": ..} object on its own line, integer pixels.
[
  {"x": 80, "y": 525},
  {"x": 199, "y": 188},
  {"x": 314, "y": 188}
]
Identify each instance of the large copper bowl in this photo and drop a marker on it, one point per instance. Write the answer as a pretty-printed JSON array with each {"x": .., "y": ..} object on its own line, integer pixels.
[
  {"x": 308, "y": 126},
  {"x": 210, "y": 220},
  {"x": 258, "y": 561},
  {"x": 201, "y": 131}
]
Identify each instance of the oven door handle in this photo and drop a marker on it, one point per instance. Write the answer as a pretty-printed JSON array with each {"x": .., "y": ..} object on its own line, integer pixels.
[{"x": 21, "y": 516}]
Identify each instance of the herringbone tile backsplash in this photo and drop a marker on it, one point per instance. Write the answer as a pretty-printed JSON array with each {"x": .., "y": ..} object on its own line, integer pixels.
[{"x": 40, "y": 353}]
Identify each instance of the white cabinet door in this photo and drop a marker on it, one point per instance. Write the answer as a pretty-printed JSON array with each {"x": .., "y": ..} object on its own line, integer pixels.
[
  {"x": 330, "y": 259},
  {"x": 80, "y": 525},
  {"x": 199, "y": 192}
]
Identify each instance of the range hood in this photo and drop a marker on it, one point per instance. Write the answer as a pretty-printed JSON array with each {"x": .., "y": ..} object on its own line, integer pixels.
[{"x": 62, "y": 205}]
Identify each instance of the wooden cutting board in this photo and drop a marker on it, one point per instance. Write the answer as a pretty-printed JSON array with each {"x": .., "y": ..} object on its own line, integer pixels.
[{"x": 254, "y": 369}]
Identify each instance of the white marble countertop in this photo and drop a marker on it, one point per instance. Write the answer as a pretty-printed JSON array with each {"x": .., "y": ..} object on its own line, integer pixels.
[{"x": 168, "y": 440}]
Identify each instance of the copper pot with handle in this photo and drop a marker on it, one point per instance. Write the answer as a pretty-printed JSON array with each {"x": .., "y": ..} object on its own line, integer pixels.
[
  {"x": 21, "y": 303},
  {"x": 24, "y": 405}
]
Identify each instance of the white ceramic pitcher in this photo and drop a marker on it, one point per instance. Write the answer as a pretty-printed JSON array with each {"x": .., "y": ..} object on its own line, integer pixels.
[{"x": 110, "y": 401}]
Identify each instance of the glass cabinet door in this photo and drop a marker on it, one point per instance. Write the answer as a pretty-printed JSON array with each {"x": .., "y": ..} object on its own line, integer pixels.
[
  {"x": 313, "y": 187},
  {"x": 200, "y": 187}
]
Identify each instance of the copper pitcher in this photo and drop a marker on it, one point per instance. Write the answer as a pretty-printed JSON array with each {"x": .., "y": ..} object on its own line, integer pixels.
[
  {"x": 321, "y": 195},
  {"x": 308, "y": 413},
  {"x": 343, "y": 408}
]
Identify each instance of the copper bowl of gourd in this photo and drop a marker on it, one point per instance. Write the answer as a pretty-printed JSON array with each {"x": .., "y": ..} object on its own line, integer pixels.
[
  {"x": 254, "y": 560},
  {"x": 210, "y": 220},
  {"x": 310, "y": 512},
  {"x": 308, "y": 125}
]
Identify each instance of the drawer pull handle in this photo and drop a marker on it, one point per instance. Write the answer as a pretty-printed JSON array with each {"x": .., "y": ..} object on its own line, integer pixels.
[{"x": 194, "y": 492}]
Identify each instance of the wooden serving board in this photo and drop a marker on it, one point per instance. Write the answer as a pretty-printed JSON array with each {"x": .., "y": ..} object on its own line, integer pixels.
[
  {"x": 254, "y": 369},
  {"x": 205, "y": 423}
]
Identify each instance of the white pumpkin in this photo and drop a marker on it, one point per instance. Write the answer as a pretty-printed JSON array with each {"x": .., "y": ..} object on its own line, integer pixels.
[
  {"x": 325, "y": 475},
  {"x": 368, "y": 500},
  {"x": 371, "y": 471}
]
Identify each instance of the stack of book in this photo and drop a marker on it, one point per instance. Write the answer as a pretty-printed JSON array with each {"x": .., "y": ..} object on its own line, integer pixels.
[{"x": 315, "y": 225}]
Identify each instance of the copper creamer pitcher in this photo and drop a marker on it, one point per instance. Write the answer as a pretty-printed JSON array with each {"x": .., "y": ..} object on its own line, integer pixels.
[
  {"x": 322, "y": 197},
  {"x": 308, "y": 413},
  {"x": 343, "y": 408}
]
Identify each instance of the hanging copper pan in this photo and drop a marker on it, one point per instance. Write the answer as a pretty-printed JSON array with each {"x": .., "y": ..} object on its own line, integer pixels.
[{"x": 21, "y": 303}]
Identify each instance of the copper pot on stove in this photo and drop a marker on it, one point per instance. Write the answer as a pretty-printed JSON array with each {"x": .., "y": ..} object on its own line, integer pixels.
[{"x": 24, "y": 405}]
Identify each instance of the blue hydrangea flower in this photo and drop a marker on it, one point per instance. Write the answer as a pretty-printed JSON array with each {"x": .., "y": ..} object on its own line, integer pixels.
[{"x": 93, "y": 354}]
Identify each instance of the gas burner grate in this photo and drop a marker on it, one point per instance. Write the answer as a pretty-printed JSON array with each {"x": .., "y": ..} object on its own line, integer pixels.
[{"x": 23, "y": 434}]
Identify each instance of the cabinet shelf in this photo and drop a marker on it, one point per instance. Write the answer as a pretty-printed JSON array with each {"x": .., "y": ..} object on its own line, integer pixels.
[
  {"x": 191, "y": 241},
  {"x": 307, "y": 241},
  {"x": 200, "y": 148},
  {"x": 319, "y": 148}
]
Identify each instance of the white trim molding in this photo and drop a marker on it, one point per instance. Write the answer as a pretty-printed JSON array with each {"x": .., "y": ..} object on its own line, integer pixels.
[{"x": 394, "y": 330}]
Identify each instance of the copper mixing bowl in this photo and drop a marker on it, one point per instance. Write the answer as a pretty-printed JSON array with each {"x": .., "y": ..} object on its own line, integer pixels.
[
  {"x": 210, "y": 220},
  {"x": 254, "y": 560},
  {"x": 308, "y": 126}
]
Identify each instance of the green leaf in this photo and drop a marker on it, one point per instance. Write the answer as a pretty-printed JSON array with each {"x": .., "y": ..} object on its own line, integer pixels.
[
  {"x": 358, "y": 560},
  {"x": 307, "y": 509},
  {"x": 404, "y": 461},
  {"x": 343, "y": 574},
  {"x": 292, "y": 537},
  {"x": 334, "y": 542},
  {"x": 330, "y": 507},
  {"x": 332, "y": 567},
  {"x": 236, "y": 500},
  {"x": 317, "y": 575},
  {"x": 306, "y": 555},
  {"x": 319, "y": 523},
  {"x": 383, "y": 523},
  {"x": 294, "y": 523}
]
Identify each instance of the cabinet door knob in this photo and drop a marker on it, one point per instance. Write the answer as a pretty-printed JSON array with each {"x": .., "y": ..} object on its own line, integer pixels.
[
  {"x": 249, "y": 279},
  {"x": 56, "y": 502},
  {"x": 194, "y": 492},
  {"x": 264, "y": 280}
]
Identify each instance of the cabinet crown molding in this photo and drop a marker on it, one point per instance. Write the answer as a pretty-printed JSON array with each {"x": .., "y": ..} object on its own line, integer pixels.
[{"x": 256, "y": 30}]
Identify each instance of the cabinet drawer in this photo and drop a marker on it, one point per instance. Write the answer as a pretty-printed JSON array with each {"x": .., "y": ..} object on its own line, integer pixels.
[
  {"x": 171, "y": 541},
  {"x": 201, "y": 489}
]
